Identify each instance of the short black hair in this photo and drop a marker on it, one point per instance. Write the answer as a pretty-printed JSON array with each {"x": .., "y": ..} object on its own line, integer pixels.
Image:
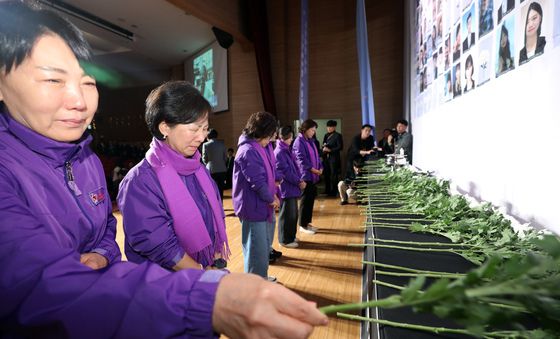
[
  {"x": 402, "y": 121},
  {"x": 367, "y": 125},
  {"x": 174, "y": 102},
  {"x": 212, "y": 134},
  {"x": 332, "y": 123},
  {"x": 260, "y": 125},
  {"x": 307, "y": 124},
  {"x": 286, "y": 132},
  {"x": 21, "y": 25},
  {"x": 230, "y": 150}
]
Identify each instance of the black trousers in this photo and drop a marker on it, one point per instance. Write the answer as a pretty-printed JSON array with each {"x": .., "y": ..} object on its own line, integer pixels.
[
  {"x": 331, "y": 171},
  {"x": 220, "y": 179},
  {"x": 306, "y": 203},
  {"x": 287, "y": 221}
]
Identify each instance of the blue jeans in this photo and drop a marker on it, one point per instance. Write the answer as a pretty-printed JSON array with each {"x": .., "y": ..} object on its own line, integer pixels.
[{"x": 255, "y": 239}]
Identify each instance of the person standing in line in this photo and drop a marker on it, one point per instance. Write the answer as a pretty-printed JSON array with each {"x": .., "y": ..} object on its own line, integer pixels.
[
  {"x": 404, "y": 140},
  {"x": 290, "y": 188},
  {"x": 61, "y": 275},
  {"x": 254, "y": 192},
  {"x": 172, "y": 213},
  {"x": 309, "y": 164},
  {"x": 332, "y": 145},
  {"x": 214, "y": 157}
]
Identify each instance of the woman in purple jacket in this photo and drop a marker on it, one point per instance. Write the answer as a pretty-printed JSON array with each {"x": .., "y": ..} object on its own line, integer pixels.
[
  {"x": 171, "y": 207},
  {"x": 60, "y": 269},
  {"x": 290, "y": 188},
  {"x": 254, "y": 191},
  {"x": 310, "y": 166}
]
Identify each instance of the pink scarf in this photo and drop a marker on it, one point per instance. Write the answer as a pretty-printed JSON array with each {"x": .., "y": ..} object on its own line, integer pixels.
[{"x": 188, "y": 223}]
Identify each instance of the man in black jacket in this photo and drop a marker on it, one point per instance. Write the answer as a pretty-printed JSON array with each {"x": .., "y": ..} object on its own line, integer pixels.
[{"x": 332, "y": 145}]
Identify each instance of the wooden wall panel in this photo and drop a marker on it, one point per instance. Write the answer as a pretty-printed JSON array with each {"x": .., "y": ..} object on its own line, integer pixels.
[
  {"x": 333, "y": 64},
  {"x": 333, "y": 71}
]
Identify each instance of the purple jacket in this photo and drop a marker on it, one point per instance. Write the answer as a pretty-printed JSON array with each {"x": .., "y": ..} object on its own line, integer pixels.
[
  {"x": 148, "y": 225},
  {"x": 287, "y": 170},
  {"x": 303, "y": 158},
  {"x": 251, "y": 195},
  {"x": 45, "y": 226}
]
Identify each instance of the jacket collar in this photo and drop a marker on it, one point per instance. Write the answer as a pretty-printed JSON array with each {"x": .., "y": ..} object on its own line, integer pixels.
[{"x": 55, "y": 151}]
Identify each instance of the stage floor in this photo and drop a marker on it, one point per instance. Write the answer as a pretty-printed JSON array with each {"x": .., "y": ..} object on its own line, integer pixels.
[{"x": 323, "y": 269}]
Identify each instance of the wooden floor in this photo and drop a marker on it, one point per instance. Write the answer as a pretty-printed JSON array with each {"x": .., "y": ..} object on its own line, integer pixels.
[{"x": 323, "y": 269}]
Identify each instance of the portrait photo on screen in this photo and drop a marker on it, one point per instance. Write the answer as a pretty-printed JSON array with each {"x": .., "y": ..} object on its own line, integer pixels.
[
  {"x": 440, "y": 61},
  {"x": 503, "y": 7},
  {"x": 457, "y": 87},
  {"x": 435, "y": 64},
  {"x": 429, "y": 70},
  {"x": 448, "y": 87},
  {"x": 469, "y": 28},
  {"x": 535, "y": 22},
  {"x": 485, "y": 17},
  {"x": 447, "y": 52},
  {"x": 456, "y": 41},
  {"x": 505, "y": 46},
  {"x": 469, "y": 67},
  {"x": 485, "y": 58}
]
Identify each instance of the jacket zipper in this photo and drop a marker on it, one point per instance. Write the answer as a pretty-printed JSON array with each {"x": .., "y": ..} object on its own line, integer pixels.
[{"x": 71, "y": 184}]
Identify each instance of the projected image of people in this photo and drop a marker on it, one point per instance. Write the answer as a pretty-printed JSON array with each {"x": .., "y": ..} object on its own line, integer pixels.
[
  {"x": 469, "y": 34},
  {"x": 204, "y": 77},
  {"x": 534, "y": 42},
  {"x": 486, "y": 20},
  {"x": 457, "y": 90},
  {"x": 469, "y": 74},
  {"x": 505, "y": 45}
]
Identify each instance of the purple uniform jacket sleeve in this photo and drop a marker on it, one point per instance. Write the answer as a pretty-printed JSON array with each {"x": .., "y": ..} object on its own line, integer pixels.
[
  {"x": 43, "y": 286},
  {"x": 283, "y": 161},
  {"x": 148, "y": 226},
  {"x": 252, "y": 168},
  {"x": 302, "y": 159},
  {"x": 108, "y": 246}
]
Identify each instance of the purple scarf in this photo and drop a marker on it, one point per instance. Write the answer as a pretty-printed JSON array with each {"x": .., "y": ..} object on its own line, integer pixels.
[
  {"x": 267, "y": 160},
  {"x": 313, "y": 154},
  {"x": 187, "y": 221}
]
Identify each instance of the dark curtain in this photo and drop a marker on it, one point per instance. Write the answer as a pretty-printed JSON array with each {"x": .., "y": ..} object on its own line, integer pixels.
[{"x": 258, "y": 24}]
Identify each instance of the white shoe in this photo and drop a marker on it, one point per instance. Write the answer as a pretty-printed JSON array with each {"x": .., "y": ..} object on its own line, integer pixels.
[
  {"x": 290, "y": 245},
  {"x": 306, "y": 230},
  {"x": 296, "y": 240},
  {"x": 312, "y": 228},
  {"x": 272, "y": 278}
]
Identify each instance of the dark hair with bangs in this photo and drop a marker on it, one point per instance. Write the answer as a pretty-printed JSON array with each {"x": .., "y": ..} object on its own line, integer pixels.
[
  {"x": 22, "y": 24},
  {"x": 286, "y": 132},
  {"x": 260, "y": 125},
  {"x": 307, "y": 124},
  {"x": 174, "y": 102}
]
